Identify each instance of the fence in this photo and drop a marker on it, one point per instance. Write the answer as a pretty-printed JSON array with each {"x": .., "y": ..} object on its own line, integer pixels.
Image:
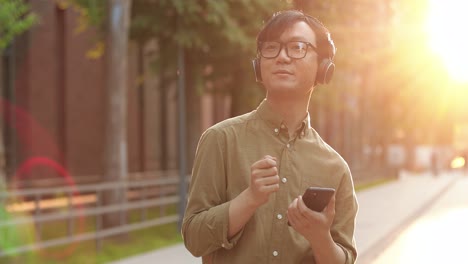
[
  {"x": 70, "y": 204},
  {"x": 86, "y": 201}
]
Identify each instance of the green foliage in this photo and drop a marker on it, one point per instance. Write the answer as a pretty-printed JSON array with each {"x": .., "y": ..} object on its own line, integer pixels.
[
  {"x": 212, "y": 28},
  {"x": 219, "y": 35},
  {"x": 377, "y": 52},
  {"x": 93, "y": 12},
  {"x": 15, "y": 18}
]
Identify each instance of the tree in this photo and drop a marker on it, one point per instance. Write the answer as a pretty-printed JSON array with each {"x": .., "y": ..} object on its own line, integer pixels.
[
  {"x": 115, "y": 159},
  {"x": 15, "y": 18},
  {"x": 360, "y": 30},
  {"x": 219, "y": 41},
  {"x": 383, "y": 62},
  {"x": 112, "y": 19}
]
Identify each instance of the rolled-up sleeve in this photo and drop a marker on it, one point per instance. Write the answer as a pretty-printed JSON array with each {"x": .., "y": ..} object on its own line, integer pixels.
[
  {"x": 206, "y": 220},
  {"x": 345, "y": 218}
]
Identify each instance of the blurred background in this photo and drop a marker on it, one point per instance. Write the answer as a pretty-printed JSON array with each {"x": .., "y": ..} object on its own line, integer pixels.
[{"x": 103, "y": 103}]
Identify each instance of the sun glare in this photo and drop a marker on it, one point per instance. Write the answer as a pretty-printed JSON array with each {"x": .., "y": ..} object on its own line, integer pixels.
[{"x": 446, "y": 26}]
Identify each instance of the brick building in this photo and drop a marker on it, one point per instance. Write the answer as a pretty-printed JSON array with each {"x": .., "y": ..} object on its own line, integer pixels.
[{"x": 53, "y": 104}]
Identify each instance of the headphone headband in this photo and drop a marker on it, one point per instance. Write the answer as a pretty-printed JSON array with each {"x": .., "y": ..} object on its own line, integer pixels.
[{"x": 331, "y": 47}]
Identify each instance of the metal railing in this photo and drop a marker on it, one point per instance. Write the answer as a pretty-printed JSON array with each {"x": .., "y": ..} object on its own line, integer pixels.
[{"x": 74, "y": 203}]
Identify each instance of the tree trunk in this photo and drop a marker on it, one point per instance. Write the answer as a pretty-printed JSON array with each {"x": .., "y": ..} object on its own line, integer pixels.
[
  {"x": 9, "y": 137},
  {"x": 115, "y": 160},
  {"x": 141, "y": 106},
  {"x": 163, "y": 105},
  {"x": 2, "y": 128},
  {"x": 193, "y": 112}
]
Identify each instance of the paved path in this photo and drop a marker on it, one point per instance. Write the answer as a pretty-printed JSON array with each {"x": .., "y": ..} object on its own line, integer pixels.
[
  {"x": 383, "y": 214},
  {"x": 438, "y": 236},
  {"x": 385, "y": 211}
]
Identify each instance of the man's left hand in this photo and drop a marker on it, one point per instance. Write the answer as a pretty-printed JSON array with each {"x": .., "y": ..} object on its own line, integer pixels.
[{"x": 310, "y": 224}]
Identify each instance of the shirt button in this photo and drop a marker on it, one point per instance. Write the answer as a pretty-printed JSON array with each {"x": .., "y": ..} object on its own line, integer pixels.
[
  {"x": 288, "y": 145},
  {"x": 276, "y": 130},
  {"x": 284, "y": 180},
  {"x": 223, "y": 245},
  {"x": 275, "y": 253},
  {"x": 279, "y": 216}
]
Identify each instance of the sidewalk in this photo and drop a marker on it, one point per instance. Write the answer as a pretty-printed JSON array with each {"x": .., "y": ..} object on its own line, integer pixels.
[
  {"x": 441, "y": 230},
  {"x": 384, "y": 211},
  {"x": 387, "y": 210}
]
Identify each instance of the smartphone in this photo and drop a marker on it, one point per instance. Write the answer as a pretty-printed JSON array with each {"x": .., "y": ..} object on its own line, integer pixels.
[{"x": 317, "y": 198}]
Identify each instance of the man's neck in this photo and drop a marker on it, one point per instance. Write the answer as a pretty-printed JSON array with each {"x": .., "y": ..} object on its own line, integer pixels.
[{"x": 293, "y": 112}]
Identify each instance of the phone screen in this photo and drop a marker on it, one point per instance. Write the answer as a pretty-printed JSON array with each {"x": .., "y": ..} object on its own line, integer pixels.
[{"x": 317, "y": 198}]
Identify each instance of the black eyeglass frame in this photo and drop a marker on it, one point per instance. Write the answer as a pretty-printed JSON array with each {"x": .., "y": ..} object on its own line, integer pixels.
[{"x": 285, "y": 44}]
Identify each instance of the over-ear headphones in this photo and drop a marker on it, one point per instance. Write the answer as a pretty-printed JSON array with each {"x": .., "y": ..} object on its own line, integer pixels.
[
  {"x": 257, "y": 71},
  {"x": 326, "y": 53},
  {"x": 326, "y": 67}
]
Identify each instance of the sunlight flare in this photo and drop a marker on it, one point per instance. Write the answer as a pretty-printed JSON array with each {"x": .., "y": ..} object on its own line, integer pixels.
[{"x": 446, "y": 27}]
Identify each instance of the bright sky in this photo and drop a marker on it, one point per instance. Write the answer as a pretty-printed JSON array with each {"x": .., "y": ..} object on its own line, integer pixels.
[{"x": 447, "y": 23}]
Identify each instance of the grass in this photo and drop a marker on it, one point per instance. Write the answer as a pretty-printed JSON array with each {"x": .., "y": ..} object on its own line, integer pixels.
[
  {"x": 371, "y": 184},
  {"x": 112, "y": 249}
]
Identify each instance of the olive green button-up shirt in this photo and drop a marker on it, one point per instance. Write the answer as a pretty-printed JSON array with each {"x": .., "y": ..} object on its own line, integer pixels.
[{"x": 221, "y": 171}]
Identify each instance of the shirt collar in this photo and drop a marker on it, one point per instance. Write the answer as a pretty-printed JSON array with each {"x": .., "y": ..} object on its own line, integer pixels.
[{"x": 276, "y": 122}]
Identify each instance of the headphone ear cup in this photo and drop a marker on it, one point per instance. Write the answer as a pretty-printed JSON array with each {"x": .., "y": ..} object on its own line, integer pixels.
[
  {"x": 257, "y": 71},
  {"x": 325, "y": 71}
]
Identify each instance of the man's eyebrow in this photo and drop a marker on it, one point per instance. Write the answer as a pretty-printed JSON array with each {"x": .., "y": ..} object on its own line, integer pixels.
[{"x": 298, "y": 38}]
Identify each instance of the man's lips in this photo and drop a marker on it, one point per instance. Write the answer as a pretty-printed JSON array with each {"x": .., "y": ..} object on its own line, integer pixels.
[{"x": 280, "y": 72}]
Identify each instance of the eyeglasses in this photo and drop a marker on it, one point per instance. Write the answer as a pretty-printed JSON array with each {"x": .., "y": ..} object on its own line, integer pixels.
[{"x": 294, "y": 49}]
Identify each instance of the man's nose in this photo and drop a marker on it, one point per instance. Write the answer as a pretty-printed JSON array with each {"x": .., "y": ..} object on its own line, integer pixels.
[{"x": 283, "y": 54}]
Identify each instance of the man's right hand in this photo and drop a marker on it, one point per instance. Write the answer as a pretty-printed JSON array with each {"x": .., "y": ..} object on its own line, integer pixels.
[{"x": 264, "y": 180}]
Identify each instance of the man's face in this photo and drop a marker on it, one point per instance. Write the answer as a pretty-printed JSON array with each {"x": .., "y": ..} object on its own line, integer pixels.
[{"x": 286, "y": 76}]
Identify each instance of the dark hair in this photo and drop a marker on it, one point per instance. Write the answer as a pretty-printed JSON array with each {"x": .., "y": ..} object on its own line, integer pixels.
[{"x": 282, "y": 20}]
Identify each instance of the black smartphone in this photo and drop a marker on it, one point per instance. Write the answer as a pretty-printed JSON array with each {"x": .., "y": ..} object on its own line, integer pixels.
[{"x": 317, "y": 198}]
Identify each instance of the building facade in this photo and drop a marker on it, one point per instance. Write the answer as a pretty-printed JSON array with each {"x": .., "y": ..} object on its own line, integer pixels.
[{"x": 53, "y": 103}]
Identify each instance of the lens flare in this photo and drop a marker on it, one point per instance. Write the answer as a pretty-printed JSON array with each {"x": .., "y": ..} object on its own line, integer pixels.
[
  {"x": 446, "y": 27},
  {"x": 457, "y": 162},
  {"x": 25, "y": 169},
  {"x": 35, "y": 142}
]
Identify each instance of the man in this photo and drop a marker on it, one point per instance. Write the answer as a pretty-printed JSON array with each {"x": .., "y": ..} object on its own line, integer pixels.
[
  {"x": 250, "y": 171},
  {"x": 434, "y": 164}
]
